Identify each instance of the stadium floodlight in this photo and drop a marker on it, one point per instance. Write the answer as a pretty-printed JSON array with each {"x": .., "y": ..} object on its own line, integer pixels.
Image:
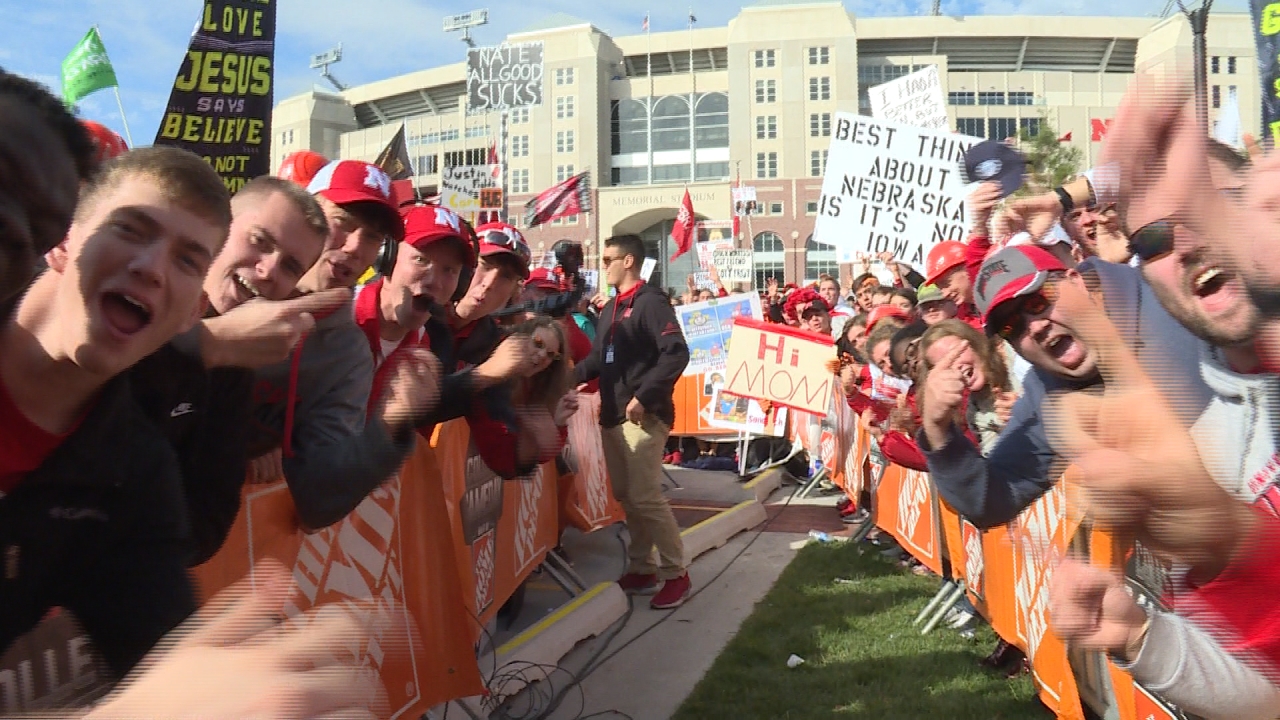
[
  {"x": 464, "y": 22},
  {"x": 1197, "y": 13},
  {"x": 322, "y": 62}
]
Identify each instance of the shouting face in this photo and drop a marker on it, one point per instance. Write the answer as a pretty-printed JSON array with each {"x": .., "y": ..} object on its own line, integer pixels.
[{"x": 270, "y": 247}]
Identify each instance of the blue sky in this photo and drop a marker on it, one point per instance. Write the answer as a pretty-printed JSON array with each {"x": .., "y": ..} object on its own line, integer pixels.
[{"x": 381, "y": 38}]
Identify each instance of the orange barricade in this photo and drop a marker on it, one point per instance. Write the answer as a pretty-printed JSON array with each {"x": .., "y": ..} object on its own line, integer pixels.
[
  {"x": 501, "y": 530},
  {"x": 691, "y": 396},
  {"x": 586, "y": 496},
  {"x": 440, "y": 547},
  {"x": 395, "y": 550}
]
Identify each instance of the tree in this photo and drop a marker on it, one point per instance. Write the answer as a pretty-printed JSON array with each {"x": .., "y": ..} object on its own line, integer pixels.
[{"x": 1050, "y": 162}]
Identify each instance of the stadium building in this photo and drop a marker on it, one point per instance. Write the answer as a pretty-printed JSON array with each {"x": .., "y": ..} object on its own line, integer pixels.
[{"x": 652, "y": 114}]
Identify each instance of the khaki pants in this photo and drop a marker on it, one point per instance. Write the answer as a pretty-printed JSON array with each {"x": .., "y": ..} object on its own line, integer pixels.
[{"x": 633, "y": 455}]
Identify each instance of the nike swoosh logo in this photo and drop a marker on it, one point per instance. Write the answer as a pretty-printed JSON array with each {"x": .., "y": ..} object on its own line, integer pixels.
[{"x": 182, "y": 409}]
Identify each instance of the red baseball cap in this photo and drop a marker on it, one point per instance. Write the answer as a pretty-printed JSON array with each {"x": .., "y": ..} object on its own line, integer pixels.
[
  {"x": 346, "y": 182},
  {"x": 499, "y": 237},
  {"x": 1012, "y": 273},
  {"x": 425, "y": 224},
  {"x": 544, "y": 279},
  {"x": 108, "y": 142}
]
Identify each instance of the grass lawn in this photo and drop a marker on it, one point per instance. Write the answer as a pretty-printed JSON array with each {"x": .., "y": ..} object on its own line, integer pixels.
[{"x": 863, "y": 658}]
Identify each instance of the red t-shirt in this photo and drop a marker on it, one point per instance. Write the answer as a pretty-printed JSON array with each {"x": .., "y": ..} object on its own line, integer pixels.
[{"x": 23, "y": 444}]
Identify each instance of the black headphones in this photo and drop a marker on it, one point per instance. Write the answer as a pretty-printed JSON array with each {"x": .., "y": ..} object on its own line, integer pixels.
[{"x": 385, "y": 262}]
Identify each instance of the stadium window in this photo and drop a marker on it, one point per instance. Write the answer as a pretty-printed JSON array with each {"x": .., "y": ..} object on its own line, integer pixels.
[
  {"x": 520, "y": 181},
  {"x": 961, "y": 98},
  {"x": 564, "y": 141},
  {"x": 1231, "y": 65},
  {"x": 974, "y": 127},
  {"x": 1030, "y": 126},
  {"x": 765, "y": 58},
  {"x": 811, "y": 207},
  {"x": 820, "y": 125},
  {"x": 1215, "y": 64},
  {"x": 819, "y": 88},
  {"x": 766, "y": 127},
  {"x": 519, "y": 146},
  {"x": 1021, "y": 98},
  {"x": 766, "y": 91},
  {"x": 817, "y": 162},
  {"x": 629, "y": 176},
  {"x": 519, "y": 116},
  {"x": 991, "y": 98},
  {"x": 564, "y": 107},
  {"x": 769, "y": 253},
  {"x": 775, "y": 208},
  {"x": 819, "y": 55},
  {"x": 563, "y": 172},
  {"x": 564, "y": 76},
  {"x": 767, "y": 165},
  {"x": 1001, "y": 128},
  {"x": 1217, "y": 96}
]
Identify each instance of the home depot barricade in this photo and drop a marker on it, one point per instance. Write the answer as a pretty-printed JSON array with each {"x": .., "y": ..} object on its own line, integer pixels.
[
  {"x": 1005, "y": 570},
  {"x": 438, "y": 549}
]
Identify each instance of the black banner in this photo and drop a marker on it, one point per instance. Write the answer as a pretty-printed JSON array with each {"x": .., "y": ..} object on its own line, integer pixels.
[
  {"x": 504, "y": 77},
  {"x": 220, "y": 107},
  {"x": 1266, "y": 36}
]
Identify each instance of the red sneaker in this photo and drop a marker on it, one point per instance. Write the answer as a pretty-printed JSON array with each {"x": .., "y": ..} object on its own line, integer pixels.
[
  {"x": 637, "y": 584},
  {"x": 673, "y": 593},
  {"x": 677, "y": 457}
]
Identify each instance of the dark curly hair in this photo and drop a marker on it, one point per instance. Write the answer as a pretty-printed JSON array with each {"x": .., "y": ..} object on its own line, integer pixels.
[{"x": 56, "y": 117}]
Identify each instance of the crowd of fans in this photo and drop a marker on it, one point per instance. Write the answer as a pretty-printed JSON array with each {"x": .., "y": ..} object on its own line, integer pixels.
[{"x": 161, "y": 341}]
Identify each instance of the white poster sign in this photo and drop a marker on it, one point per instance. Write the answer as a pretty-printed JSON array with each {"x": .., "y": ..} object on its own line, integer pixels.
[
  {"x": 734, "y": 266},
  {"x": 730, "y": 412},
  {"x": 914, "y": 100},
  {"x": 893, "y": 188},
  {"x": 460, "y": 186},
  {"x": 707, "y": 250},
  {"x": 647, "y": 268}
]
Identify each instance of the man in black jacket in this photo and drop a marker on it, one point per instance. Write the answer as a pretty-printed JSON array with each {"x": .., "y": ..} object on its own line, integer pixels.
[
  {"x": 92, "y": 516},
  {"x": 638, "y": 355}
]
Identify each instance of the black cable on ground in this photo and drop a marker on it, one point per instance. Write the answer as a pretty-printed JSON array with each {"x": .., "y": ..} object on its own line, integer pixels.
[{"x": 598, "y": 660}]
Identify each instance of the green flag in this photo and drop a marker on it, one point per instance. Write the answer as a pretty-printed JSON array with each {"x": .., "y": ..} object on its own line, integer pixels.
[{"x": 87, "y": 69}]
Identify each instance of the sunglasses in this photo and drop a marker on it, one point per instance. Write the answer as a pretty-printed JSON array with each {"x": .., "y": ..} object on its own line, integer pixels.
[
  {"x": 510, "y": 241},
  {"x": 1152, "y": 241},
  {"x": 1015, "y": 324},
  {"x": 540, "y": 344}
]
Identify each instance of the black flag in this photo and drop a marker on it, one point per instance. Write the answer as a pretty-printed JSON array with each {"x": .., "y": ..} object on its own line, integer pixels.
[
  {"x": 224, "y": 116},
  {"x": 394, "y": 158}
]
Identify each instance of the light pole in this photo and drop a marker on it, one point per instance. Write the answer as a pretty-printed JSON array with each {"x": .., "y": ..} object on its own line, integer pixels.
[{"x": 1199, "y": 19}]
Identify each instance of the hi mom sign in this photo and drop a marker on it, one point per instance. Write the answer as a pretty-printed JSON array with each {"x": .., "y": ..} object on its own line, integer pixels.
[
  {"x": 781, "y": 364},
  {"x": 891, "y": 187}
]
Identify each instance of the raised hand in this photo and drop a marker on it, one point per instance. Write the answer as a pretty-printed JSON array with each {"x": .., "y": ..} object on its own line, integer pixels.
[
  {"x": 980, "y": 204},
  {"x": 263, "y": 332},
  {"x": 944, "y": 390},
  {"x": 1090, "y": 609},
  {"x": 565, "y": 408},
  {"x": 511, "y": 359},
  {"x": 414, "y": 389}
]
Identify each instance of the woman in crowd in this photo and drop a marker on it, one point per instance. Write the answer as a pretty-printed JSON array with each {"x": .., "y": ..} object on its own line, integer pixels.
[{"x": 984, "y": 371}]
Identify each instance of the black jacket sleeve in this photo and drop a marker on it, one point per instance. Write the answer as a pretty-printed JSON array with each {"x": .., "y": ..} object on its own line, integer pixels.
[
  {"x": 914, "y": 279},
  {"x": 214, "y": 459},
  {"x": 658, "y": 321}
]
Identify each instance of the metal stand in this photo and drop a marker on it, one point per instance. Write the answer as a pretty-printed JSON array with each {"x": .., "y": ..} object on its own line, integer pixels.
[
  {"x": 559, "y": 570},
  {"x": 861, "y": 533},
  {"x": 949, "y": 594},
  {"x": 812, "y": 483}
]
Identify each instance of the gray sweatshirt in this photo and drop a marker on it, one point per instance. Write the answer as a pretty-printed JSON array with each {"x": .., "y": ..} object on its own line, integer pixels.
[
  {"x": 335, "y": 456},
  {"x": 1023, "y": 464}
]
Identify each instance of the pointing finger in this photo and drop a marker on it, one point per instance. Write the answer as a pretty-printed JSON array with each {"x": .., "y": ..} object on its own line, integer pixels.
[
  {"x": 321, "y": 302},
  {"x": 952, "y": 355}
]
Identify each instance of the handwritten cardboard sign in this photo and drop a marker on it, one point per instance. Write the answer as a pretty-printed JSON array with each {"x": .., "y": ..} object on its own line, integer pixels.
[
  {"x": 914, "y": 99},
  {"x": 460, "y": 186},
  {"x": 891, "y": 187},
  {"x": 504, "y": 77},
  {"x": 734, "y": 266},
  {"x": 781, "y": 364}
]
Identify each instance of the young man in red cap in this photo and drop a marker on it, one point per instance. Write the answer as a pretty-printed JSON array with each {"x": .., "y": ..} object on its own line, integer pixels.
[
  {"x": 313, "y": 407},
  {"x": 950, "y": 267},
  {"x": 638, "y": 355}
]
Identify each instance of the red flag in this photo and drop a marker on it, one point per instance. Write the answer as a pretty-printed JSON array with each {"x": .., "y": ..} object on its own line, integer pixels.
[
  {"x": 682, "y": 231},
  {"x": 737, "y": 219},
  {"x": 1065, "y": 138},
  {"x": 566, "y": 199}
]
